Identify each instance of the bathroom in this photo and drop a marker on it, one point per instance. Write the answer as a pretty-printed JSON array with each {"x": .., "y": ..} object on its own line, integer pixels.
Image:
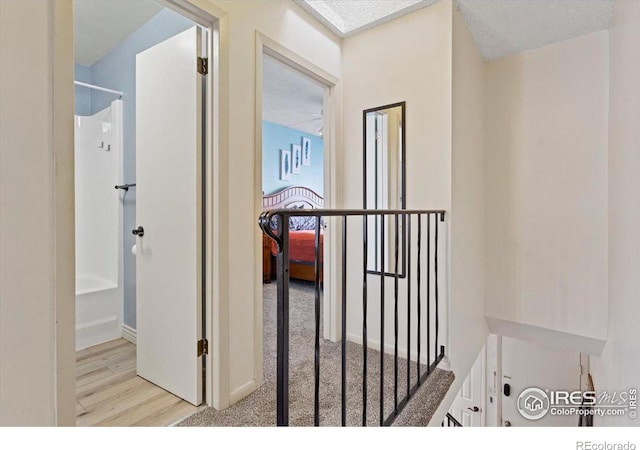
[{"x": 119, "y": 48}]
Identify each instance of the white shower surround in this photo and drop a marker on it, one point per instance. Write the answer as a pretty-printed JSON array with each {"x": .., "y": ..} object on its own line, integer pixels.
[{"x": 99, "y": 268}]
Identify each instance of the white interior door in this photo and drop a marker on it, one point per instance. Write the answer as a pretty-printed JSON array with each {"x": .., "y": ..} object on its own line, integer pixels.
[
  {"x": 467, "y": 407},
  {"x": 529, "y": 364},
  {"x": 168, "y": 207}
]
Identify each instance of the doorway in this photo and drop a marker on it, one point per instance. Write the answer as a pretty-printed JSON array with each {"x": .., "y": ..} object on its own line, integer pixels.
[
  {"x": 292, "y": 177},
  {"x": 141, "y": 140},
  {"x": 469, "y": 406},
  {"x": 306, "y": 121}
]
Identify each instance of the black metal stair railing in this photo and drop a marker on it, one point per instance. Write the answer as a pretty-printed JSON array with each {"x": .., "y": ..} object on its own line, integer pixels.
[
  {"x": 450, "y": 421},
  {"x": 275, "y": 223}
]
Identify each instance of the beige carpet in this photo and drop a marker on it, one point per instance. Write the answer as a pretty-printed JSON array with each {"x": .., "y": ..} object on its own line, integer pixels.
[{"x": 259, "y": 408}]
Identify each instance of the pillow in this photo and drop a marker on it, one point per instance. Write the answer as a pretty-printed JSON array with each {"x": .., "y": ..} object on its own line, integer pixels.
[{"x": 298, "y": 223}]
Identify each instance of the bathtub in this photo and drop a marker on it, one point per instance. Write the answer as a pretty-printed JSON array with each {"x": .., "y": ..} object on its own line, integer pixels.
[
  {"x": 98, "y": 226},
  {"x": 98, "y": 310}
]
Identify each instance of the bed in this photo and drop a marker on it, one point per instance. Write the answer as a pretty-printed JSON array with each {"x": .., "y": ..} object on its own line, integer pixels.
[{"x": 301, "y": 236}]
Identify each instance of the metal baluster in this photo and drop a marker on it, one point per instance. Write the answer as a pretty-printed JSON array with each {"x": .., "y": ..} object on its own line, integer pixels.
[
  {"x": 435, "y": 274},
  {"x": 344, "y": 321},
  {"x": 395, "y": 321},
  {"x": 428, "y": 293},
  {"x": 316, "y": 356},
  {"x": 408, "y": 222},
  {"x": 382, "y": 279},
  {"x": 365, "y": 233},
  {"x": 419, "y": 291},
  {"x": 282, "y": 260}
]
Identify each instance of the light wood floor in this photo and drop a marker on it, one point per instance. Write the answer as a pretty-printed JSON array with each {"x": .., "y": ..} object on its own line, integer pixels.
[{"x": 109, "y": 393}]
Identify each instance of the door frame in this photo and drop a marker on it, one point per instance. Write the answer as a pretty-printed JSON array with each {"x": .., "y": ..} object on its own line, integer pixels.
[
  {"x": 331, "y": 310},
  {"x": 215, "y": 306},
  {"x": 216, "y": 379}
]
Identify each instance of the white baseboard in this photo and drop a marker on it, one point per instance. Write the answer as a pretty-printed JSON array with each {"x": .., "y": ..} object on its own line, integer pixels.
[
  {"x": 388, "y": 348},
  {"x": 242, "y": 392},
  {"x": 130, "y": 334}
]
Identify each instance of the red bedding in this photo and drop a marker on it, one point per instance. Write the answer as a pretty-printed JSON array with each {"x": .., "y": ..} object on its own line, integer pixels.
[{"x": 302, "y": 246}]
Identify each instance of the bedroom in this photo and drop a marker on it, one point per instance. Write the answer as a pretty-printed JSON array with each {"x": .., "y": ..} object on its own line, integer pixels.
[
  {"x": 292, "y": 177},
  {"x": 292, "y": 159}
]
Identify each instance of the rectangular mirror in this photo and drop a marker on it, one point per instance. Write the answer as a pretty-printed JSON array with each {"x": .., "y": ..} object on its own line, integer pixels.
[{"x": 385, "y": 185}]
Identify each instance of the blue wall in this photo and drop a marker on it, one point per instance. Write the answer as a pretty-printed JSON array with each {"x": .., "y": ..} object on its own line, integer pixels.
[
  {"x": 276, "y": 137},
  {"x": 117, "y": 70},
  {"x": 82, "y": 94}
]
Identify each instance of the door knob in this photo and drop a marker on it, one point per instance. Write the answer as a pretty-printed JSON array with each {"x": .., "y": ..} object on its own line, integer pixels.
[
  {"x": 138, "y": 231},
  {"x": 474, "y": 409}
]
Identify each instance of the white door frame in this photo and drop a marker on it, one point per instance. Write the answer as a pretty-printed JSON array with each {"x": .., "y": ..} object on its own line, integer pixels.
[
  {"x": 331, "y": 313},
  {"x": 209, "y": 17},
  {"x": 217, "y": 360}
]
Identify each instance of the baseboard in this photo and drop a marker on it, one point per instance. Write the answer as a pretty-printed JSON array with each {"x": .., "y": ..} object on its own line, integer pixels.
[
  {"x": 96, "y": 332},
  {"x": 242, "y": 392},
  {"x": 388, "y": 348},
  {"x": 129, "y": 334}
]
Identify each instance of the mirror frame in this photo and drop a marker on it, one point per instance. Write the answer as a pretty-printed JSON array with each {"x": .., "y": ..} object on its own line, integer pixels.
[{"x": 403, "y": 185}]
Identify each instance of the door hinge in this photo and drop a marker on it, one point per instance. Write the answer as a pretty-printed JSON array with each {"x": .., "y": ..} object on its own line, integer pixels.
[
  {"x": 203, "y": 65},
  {"x": 203, "y": 347}
]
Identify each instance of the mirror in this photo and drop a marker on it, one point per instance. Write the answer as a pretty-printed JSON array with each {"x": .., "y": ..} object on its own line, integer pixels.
[{"x": 384, "y": 184}]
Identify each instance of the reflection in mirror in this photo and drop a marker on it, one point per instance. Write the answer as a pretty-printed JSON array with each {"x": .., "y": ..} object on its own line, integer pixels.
[{"x": 384, "y": 184}]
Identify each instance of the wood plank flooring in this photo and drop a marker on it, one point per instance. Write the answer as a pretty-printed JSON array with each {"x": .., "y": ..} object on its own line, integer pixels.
[{"x": 109, "y": 393}]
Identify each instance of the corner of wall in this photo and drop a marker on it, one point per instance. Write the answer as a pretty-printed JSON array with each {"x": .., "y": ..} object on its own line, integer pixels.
[{"x": 468, "y": 328}]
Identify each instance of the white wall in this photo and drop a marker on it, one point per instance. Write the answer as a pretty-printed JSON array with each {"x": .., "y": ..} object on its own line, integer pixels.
[
  {"x": 619, "y": 366},
  {"x": 37, "y": 292},
  {"x": 546, "y": 186},
  {"x": 239, "y": 282},
  {"x": 444, "y": 94},
  {"x": 407, "y": 59},
  {"x": 468, "y": 330}
]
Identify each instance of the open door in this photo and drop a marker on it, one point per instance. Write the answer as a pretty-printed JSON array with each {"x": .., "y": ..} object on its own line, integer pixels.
[
  {"x": 169, "y": 215},
  {"x": 467, "y": 407}
]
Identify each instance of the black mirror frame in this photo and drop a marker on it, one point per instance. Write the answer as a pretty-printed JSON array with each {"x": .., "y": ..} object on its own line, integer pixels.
[{"x": 403, "y": 174}]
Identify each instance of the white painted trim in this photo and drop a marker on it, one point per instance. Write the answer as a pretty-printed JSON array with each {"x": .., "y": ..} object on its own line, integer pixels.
[
  {"x": 265, "y": 44},
  {"x": 242, "y": 391},
  {"x": 546, "y": 336},
  {"x": 62, "y": 141},
  {"x": 129, "y": 334}
]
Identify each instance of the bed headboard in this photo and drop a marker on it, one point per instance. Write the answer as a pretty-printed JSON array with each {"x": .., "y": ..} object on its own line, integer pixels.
[{"x": 293, "y": 197}]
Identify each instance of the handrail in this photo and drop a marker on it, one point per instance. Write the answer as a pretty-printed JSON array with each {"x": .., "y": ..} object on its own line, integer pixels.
[
  {"x": 279, "y": 232},
  {"x": 265, "y": 217}
]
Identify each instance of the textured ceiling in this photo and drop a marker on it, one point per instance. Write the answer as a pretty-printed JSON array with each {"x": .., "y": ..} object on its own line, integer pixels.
[
  {"x": 100, "y": 25},
  {"x": 502, "y": 27},
  {"x": 347, "y": 17},
  {"x": 499, "y": 27},
  {"x": 291, "y": 98}
]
